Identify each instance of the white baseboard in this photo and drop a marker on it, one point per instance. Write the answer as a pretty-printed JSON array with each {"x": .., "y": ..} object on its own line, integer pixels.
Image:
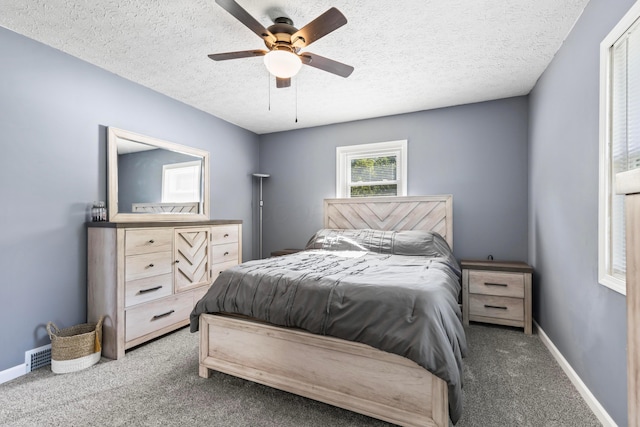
[
  {"x": 584, "y": 391},
  {"x": 12, "y": 373}
]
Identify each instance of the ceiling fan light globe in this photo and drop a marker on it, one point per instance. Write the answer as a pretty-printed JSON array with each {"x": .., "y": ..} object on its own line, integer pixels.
[{"x": 282, "y": 63}]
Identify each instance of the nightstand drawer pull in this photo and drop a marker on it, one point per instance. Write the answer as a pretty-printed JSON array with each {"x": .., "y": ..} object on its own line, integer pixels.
[
  {"x": 144, "y": 291},
  {"x": 495, "y": 284},
  {"x": 495, "y": 306},
  {"x": 159, "y": 316}
]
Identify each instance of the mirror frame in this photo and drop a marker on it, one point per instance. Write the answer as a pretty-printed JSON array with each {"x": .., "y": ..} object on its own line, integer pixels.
[{"x": 113, "y": 134}]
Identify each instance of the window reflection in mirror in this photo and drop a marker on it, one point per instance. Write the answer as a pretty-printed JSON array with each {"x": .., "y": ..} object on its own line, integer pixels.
[{"x": 181, "y": 182}]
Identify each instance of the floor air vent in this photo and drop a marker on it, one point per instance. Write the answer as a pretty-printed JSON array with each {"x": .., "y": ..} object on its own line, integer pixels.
[{"x": 38, "y": 357}]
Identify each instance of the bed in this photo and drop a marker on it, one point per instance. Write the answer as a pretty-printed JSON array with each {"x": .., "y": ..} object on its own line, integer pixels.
[{"x": 316, "y": 347}]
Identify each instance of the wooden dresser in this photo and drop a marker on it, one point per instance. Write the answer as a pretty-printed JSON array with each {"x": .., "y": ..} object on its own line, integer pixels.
[
  {"x": 146, "y": 277},
  {"x": 497, "y": 292}
]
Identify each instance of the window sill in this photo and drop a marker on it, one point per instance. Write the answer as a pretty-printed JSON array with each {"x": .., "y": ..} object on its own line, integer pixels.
[{"x": 614, "y": 284}]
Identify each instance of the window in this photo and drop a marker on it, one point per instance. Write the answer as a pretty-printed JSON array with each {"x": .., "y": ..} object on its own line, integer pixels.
[
  {"x": 619, "y": 141},
  {"x": 181, "y": 182},
  {"x": 367, "y": 170}
]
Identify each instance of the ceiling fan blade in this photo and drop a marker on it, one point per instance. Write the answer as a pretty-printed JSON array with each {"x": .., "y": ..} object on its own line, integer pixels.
[
  {"x": 326, "y": 64},
  {"x": 243, "y": 16},
  {"x": 235, "y": 55},
  {"x": 329, "y": 21},
  {"x": 280, "y": 82}
]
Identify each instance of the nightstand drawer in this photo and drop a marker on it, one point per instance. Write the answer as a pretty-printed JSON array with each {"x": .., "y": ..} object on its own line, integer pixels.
[
  {"x": 496, "y": 307},
  {"x": 496, "y": 283}
]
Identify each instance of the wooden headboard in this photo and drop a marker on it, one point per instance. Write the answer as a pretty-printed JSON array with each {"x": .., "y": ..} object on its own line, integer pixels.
[{"x": 430, "y": 213}]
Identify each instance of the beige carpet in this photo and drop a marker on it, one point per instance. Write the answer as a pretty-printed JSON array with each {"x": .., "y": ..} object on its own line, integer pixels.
[{"x": 510, "y": 380}]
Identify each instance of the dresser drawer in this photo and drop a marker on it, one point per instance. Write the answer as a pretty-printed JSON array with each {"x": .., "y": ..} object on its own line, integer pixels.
[
  {"x": 496, "y": 307},
  {"x": 148, "y": 241},
  {"x": 147, "y": 289},
  {"x": 147, "y": 318},
  {"x": 496, "y": 283},
  {"x": 147, "y": 265},
  {"x": 224, "y": 253},
  {"x": 216, "y": 269},
  {"x": 224, "y": 234}
]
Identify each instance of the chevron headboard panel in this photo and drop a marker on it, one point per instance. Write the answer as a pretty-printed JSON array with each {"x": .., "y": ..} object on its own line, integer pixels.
[{"x": 431, "y": 213}]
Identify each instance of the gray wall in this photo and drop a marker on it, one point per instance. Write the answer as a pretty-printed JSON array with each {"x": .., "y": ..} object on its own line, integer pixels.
[
  {"x": 53, "y": 113},
  {"x": 586, "y": 321},
  {"x": 476, "y": 152}
]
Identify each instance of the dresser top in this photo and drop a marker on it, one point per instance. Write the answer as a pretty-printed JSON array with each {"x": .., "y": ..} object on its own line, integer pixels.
[
  {"x": 517, "y": 266},
  {"x": 106, "y": 224}
]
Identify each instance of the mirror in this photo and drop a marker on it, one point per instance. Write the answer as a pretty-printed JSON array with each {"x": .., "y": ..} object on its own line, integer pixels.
[{"x": 155, "y": 180}]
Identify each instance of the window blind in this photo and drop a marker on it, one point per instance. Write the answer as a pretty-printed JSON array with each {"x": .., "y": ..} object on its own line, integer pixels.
[{"x": 625, "y": 135}]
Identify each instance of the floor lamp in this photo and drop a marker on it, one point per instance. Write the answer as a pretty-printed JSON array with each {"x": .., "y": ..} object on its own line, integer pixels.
[{"x": 261, "y": 176}]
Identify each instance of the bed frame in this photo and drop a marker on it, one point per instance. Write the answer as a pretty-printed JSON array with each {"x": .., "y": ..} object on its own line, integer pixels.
[{"x": 346, "y": 374}]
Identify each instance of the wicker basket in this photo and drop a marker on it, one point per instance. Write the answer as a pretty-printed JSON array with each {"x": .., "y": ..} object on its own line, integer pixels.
[{"x": 75, "y": 348}]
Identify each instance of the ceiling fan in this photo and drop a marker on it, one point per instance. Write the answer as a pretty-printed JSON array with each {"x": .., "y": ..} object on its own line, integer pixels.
[{"x": 283, "y": 58}]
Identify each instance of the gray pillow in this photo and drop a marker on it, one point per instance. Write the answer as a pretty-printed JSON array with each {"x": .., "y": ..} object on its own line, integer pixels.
[{"x": 409, "y": 242}]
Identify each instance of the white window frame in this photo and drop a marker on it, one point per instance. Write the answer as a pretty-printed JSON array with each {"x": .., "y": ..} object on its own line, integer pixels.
[
  {"x": 607, "y": 178},
  {"x": 345, "y": 154},
  {"x": 167, "y": 177}
]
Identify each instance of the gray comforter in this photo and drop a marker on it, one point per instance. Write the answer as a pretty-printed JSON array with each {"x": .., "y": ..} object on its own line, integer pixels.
[{"x": 402, "y": 304}]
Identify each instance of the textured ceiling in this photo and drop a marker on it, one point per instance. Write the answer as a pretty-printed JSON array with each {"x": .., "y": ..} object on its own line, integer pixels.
[{"x": 408, "y": 55}]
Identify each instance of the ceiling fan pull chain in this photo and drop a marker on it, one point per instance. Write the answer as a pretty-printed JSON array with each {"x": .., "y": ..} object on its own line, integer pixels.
[
  {"x": 269, "y": 86},
  {"x": 296, "y": 99}
]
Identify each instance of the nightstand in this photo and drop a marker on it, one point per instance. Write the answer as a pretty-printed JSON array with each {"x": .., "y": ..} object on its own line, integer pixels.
[
  {"x": 497, "y": 292},
  {"x": 285, "y": 252}
]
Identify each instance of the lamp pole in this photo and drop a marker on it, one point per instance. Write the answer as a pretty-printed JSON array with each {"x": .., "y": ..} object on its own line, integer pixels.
[{"x": 261, "y": 176}]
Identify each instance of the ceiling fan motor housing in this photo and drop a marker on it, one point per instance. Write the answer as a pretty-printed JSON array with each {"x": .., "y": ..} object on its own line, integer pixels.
[{"x": 283, "y": 29}]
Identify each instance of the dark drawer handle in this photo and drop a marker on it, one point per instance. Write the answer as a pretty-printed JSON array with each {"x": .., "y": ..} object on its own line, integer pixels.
[
  {"x": 151, "y": 241},
  {"x": 177, "y": 261},
  {"x": 226, "y": 235},
  {"x": 150, "y": 265},
  {"x": 159, "y": 316},
  {"x": 226, "y": 253},
  {"x": 495, "y": 306},
  {"x": 144, "y": 291},
  {"x": 495, "y": 284}
]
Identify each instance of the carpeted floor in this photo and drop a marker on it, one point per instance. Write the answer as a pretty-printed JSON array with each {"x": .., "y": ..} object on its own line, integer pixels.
[{"x": 510, "y": 380}]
